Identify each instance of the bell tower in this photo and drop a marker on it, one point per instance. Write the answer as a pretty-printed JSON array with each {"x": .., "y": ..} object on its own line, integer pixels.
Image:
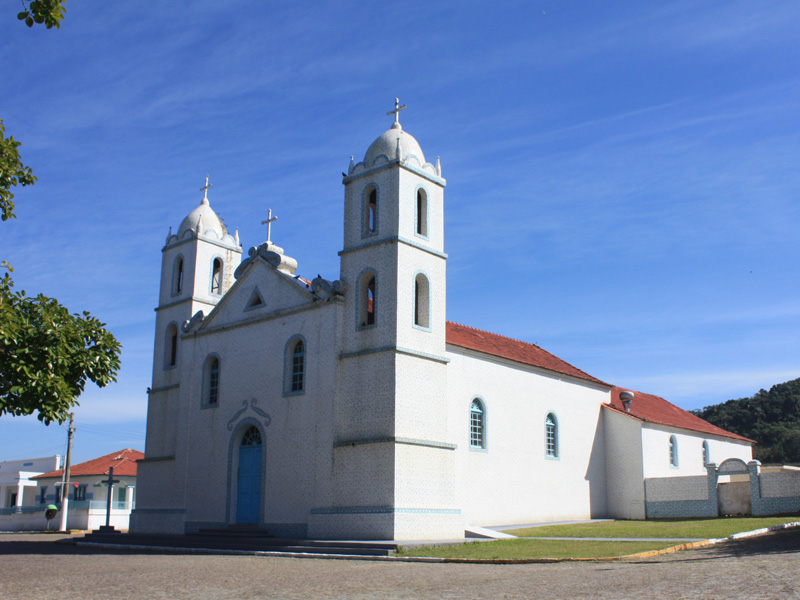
[
  {"x": 393, "y": 258},
  {"x": 197, "y": 268},
  {"x": 390, "y": 411}
]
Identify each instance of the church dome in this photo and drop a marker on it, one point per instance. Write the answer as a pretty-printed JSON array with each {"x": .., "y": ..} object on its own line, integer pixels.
[
  {"x": 204, "y": 216},
  {"x": 386, "y": 145}
]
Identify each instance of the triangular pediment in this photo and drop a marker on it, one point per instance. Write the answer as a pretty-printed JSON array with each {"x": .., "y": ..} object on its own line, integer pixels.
[{"x": 260, "y": 291}]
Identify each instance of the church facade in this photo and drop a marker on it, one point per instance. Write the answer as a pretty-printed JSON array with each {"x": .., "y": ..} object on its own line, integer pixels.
[{"x": 352, "y": 408}]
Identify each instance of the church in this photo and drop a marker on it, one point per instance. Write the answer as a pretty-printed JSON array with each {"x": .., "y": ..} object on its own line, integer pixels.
[{"x": 350, "y": 408}]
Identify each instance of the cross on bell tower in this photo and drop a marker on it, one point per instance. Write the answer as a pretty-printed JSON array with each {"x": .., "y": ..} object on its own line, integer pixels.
[
  {"x": 396, "y": 113},
  {"x": 205, "y": 188}
]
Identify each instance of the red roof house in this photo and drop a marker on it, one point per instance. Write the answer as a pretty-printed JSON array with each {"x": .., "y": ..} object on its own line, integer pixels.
[{"x": 123, "y": 461}]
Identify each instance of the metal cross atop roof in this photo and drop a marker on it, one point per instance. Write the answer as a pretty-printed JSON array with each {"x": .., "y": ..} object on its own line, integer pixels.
[
  {"x": 268, "y": 223},
  {"x": 396, "y": 111},
  {"x": 204, "y": 189}
]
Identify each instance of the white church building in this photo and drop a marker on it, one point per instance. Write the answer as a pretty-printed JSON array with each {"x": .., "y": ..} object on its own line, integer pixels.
[{"x": 353, "y": 409}]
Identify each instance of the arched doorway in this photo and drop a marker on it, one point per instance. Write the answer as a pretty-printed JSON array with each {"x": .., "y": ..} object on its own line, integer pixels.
[{"x": 248, "y": 487}]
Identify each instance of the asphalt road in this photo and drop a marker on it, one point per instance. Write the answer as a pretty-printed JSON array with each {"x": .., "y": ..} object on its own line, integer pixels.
[{"x": 32, "y": 567}]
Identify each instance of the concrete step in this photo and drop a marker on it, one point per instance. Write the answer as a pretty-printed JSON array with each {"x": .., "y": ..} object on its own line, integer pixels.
[{"x": 250, "y": 540}]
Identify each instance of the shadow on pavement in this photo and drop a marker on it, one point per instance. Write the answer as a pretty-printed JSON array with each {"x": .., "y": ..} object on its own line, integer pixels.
[
  {"x": 776, "y": 543},
  {"x": 43, "y": 544},
  {"x": 786, "y": 541}
]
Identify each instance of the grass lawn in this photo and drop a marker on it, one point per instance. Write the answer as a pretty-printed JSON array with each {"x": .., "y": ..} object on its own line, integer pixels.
[
  {"x": 536, "y": 549},
  {"x": 525, "y": 548},
  {"x": 654, "y": 528}
]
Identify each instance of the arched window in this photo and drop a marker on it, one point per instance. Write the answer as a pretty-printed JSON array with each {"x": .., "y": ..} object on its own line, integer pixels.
[
  {"x": 212, "y": 381},
  {"x": 172, "y": 345},
  {"x": 673, "y": 451},
  {"x": 422, "y": 301},
  {"x": 216, "y": 276},
  {"x": 421, "y": 228},
  {"x": 252, "y": 437},
  {"x": 477, "y": 433},
  {"x": 295, "y": 370},
  {"x": 367, "y": 300},
  {"x": 371, "y": 212},
  {"x": 371, "y": 302},
  {"x": 177, "y": 276},
  {"x": 706, "y": 453},
  {"x": 551, "y": 436}
]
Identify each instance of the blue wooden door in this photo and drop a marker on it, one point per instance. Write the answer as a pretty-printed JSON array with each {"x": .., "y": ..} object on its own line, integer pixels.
[{"x": 249, "y": 477}]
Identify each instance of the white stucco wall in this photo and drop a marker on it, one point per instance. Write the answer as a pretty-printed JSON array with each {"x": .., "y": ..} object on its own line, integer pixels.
[
  {"x": 296, "y": 428},
  {"x": 16, "y": 478},
  {"x": 511, "y": 480},
  {"x": 655, "y": 451},
  {"x": 624, "y": 468}
]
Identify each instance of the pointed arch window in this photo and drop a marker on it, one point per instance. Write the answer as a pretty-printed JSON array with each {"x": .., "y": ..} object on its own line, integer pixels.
[
  {"x": 371, "y": 211},
  {"x": 177, "y": 276},
  {"x": 216, "y": 276},
  {"x": 421, "y": 225},
  {"x": 477, "y": 422},
  {"x": 551, "y": 436},
  {"x": 367, "y": 300},
  {"x": 295, "y": 366},
  {"x": 706, "y": 453},
  {"x": 211, "y": 381},
  {"x": 422, "y": 301},
  {"x": 673, "y": 451}
]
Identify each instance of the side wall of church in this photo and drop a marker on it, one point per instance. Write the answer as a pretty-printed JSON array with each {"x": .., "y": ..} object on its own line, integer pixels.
[
  {"x": 656, "y": 451},
  {"x": 512, "y": 479},
  {"x": 624, "y": 468}
]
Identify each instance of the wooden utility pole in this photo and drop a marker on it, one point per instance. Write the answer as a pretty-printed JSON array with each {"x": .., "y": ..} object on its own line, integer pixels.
[{"x": 65, "y": 487}]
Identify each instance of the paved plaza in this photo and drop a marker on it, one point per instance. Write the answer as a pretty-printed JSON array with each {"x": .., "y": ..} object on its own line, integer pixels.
[{"x": 33, "y": 567}]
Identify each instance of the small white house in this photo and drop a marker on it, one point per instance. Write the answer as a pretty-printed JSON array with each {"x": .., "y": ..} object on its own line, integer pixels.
[
  {"x": 17, "y": 487},
  {"x": 88, "y": 495}
]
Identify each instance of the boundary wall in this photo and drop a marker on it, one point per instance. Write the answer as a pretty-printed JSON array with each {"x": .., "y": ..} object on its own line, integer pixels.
[{"x": 771, "y": 492}]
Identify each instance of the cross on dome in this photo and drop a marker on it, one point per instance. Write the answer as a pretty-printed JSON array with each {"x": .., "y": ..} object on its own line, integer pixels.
[
  {"x": 204, "y": 189},
  {"x": 396, "y": 113}
]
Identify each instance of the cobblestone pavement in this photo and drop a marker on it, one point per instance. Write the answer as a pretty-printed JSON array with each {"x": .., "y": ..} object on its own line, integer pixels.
[{"x": 33, "y": 567}]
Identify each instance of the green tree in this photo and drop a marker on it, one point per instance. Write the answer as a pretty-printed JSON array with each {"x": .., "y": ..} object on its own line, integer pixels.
[
  {"x": 47, "y": 12},
  {"x": 46, "y": 353},
  {"x": 772, "y": 418},
  {"x": 12, "y": 173}
]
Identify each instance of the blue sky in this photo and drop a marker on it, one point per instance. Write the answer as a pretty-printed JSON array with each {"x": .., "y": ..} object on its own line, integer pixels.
[{"x": 622, "y": 176}]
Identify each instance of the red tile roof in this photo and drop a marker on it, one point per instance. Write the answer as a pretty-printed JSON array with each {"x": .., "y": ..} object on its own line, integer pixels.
[
  {"x": 511, "y": 349},
  {"x": 645, "y": 407},
  {"x": 654, "y": 409},
  {"x": 123, "y": 461}
]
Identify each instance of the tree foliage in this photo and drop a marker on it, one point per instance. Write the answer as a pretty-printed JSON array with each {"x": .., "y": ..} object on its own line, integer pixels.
[
  {"x": 47, "y": 354},
  {"x": 772, "y": 418},
  {"x": 47, "y": 12},
  {"x": 12, "y": 173}
]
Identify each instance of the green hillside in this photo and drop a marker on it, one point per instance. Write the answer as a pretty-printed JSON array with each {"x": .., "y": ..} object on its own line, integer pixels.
[{"x": 772, "y": 418}]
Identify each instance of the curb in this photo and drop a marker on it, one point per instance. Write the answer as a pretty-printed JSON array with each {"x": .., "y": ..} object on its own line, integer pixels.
[
  {"x": 432, "y": 559},
  {"x": 711, "y": 542}
]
